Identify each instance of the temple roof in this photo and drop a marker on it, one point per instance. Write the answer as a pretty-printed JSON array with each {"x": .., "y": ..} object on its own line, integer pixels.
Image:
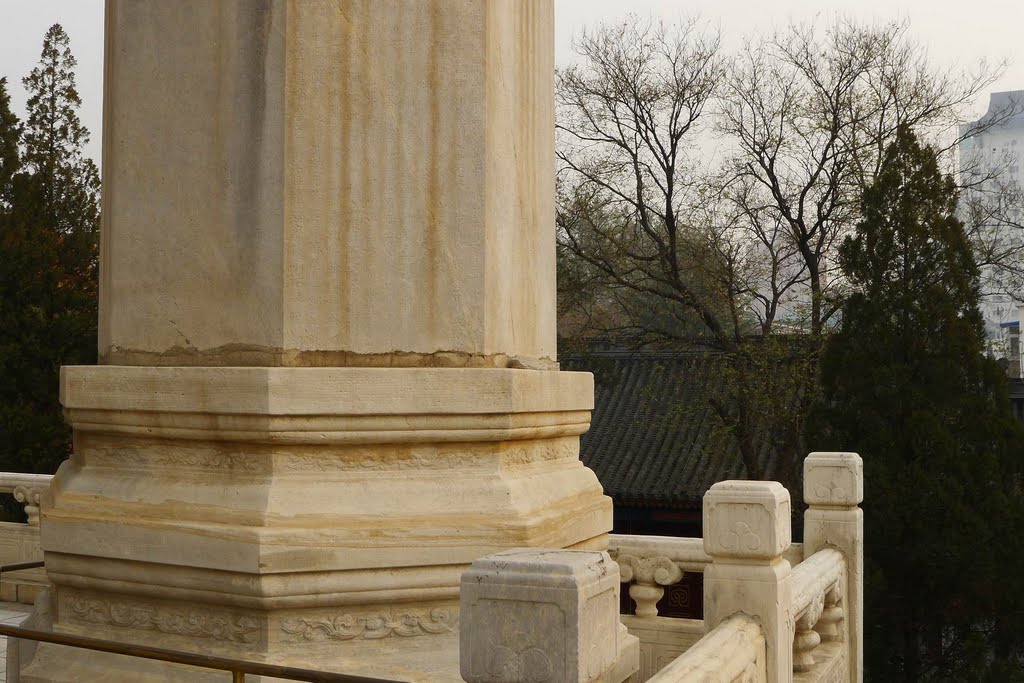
[{"x": 654, "y": 439}]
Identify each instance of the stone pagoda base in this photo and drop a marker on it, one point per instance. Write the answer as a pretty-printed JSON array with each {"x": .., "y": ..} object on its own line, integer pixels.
[{"x": 317, "y": 517}]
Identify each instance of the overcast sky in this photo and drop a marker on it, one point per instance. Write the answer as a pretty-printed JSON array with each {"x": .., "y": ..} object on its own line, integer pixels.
[{"x": 955, "y": 32}]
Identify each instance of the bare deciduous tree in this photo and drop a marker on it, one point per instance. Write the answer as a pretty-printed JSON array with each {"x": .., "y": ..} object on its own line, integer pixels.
[
  {"x": 812, "y": 111},
  {"x": 736, "y": 255}
]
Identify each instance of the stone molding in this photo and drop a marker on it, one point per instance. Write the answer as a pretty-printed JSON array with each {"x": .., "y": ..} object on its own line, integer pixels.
[
  {"x": 178, "y": 459},
  {"x": 328, "y": 430},
  {"x": 343, "y": 459},
  {"x": 278, "y": 391}
]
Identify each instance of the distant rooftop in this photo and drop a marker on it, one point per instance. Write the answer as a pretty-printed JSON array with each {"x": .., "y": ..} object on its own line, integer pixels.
[{"x": 653, "y": 440}]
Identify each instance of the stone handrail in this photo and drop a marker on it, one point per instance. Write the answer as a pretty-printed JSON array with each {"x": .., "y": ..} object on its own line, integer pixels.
[
  {"x": 687, "y": 553},
  {"x": 814, "y": 577},
  {"x": 27, "y": 488},
  {"x": 732, "y": 651}
]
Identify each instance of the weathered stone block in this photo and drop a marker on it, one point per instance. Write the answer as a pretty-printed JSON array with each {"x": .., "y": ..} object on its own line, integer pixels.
[
  {"x": 746, "y": 519},
  {"x": 539, "y": 615},
  {"x": 833, "y": 479}
]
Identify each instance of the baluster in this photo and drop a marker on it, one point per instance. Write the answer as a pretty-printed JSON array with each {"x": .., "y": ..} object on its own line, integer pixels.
[
  {"x": 831, "y": 617},
  {"x": 646, "y": 575},
  {"x": 806, "y": 638},
  {"x": 29, "y": 497}
]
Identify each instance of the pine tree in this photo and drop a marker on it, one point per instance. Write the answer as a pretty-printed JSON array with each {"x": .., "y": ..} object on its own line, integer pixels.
[
  {"x": 907, "y": 384},
  {"x": 48, "y": 278}
]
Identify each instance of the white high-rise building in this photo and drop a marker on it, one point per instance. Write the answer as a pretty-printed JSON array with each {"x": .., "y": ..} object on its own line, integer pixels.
[{"x": 991, "y": 173}]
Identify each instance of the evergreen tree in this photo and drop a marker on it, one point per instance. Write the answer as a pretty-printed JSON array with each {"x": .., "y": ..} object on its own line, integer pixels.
[
  {"x": 10, "y": 138},
  {"x": 54, "y": 138},
  {"x": 48, "y": 274},
  {"x": 907, "y": 384}
]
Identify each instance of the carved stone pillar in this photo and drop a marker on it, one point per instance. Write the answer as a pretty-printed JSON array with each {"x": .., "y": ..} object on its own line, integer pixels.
[{"x": 327, "y": 335}]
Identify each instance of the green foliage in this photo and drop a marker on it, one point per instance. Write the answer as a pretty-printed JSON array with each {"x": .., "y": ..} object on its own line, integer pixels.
[
  {"x": 49, "y": 229},
  {"x": 908, "y": 386}
]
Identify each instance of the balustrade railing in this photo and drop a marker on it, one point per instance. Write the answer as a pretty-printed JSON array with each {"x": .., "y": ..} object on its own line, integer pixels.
[
  {"x": 649, "y": 564},
  {"x": 19, "y": 542},
  {"x": 799, "y": 606}
]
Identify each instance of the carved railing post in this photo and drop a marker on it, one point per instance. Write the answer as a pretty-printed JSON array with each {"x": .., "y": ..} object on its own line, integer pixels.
[
  {"x": 746, "y": 531},
  {"x": 543, "y": 616},
  {"x": 833, "y": 489},
  {"x": 646, "y": 576}
]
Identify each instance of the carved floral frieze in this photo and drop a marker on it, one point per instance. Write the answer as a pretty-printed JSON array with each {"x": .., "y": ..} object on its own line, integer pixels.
[
  {"x": 369, "y": 627},
  {"x": 192, "y": 622},
  {"x": 213, "y": 461}
]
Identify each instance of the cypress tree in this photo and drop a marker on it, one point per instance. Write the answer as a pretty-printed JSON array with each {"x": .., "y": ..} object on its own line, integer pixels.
[
  {"x": 10, "y": 139},
  {"x": 48, "y": 276},
  {"x": 907, "y": 384}
]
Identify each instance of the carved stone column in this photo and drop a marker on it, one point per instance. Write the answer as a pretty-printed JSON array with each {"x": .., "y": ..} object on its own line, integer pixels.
[{"x": 327, "y": 335}]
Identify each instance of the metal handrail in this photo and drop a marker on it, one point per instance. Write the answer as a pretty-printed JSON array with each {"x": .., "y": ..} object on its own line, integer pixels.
[
  {"x": 238, "y": 667},
  {"x": 20, "y": 565}
]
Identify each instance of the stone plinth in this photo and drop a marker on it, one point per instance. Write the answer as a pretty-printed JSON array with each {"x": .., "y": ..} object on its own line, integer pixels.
[{"x": 282, "y": 511}]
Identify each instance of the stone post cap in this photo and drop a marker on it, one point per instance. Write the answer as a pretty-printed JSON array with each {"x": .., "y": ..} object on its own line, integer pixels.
[
  {"x": 833, "y": 479},
  {"x": 564, "y": 569},
  {"x": 539, "y": 615},
  {"x": 747, "y": 520}
]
